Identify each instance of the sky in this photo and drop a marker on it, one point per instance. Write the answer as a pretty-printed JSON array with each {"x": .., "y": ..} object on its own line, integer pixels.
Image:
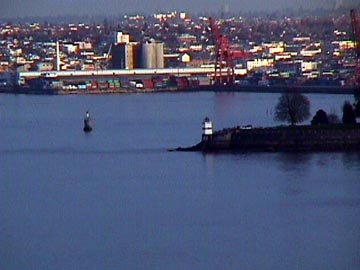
[{"x": 30, "y": 8}]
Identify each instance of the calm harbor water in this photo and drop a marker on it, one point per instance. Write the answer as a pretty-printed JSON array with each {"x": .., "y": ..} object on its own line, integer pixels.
[{"x": 117, "y": 199}]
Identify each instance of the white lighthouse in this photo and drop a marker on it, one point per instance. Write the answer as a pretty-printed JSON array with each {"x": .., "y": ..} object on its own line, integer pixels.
[{"x": 207, "y": 129}]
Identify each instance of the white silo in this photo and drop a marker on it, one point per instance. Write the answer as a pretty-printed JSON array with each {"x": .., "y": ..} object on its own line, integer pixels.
[{"x": 153, "y": 55}]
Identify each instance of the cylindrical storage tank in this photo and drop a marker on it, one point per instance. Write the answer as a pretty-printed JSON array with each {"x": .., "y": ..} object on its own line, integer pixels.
[{"x": 152, "y": 55}]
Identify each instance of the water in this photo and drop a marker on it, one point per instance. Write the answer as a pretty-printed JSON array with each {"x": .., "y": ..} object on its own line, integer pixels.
[{"x": 117, "y": 199}]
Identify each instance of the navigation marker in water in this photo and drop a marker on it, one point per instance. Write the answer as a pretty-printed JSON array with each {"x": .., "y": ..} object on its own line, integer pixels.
[{"x": 87, "y": 123}]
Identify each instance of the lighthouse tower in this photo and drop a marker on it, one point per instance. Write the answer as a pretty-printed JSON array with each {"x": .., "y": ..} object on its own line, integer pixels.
[{"x": 207, "y": 129}]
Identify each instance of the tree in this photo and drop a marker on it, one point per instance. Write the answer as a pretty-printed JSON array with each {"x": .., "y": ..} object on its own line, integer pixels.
[
  {"x": 349, "y": 116},
  {"x": 293, "y": 108},
  {"x": 357, "y": 102},
  {"x": 357, "y": 106},
  {"x": 320, "y": 118}
]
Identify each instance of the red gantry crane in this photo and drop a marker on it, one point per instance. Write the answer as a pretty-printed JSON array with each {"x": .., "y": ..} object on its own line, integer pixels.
[
  {"x": 224, "y": 56},
  {"x": 355, "y": 23},
  {"x": 223, "y": 60}
]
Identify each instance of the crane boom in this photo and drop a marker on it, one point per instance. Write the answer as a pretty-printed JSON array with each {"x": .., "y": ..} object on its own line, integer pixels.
[
  {"x": 355, "y": 23},
  {"x": 224, "y": 66}
]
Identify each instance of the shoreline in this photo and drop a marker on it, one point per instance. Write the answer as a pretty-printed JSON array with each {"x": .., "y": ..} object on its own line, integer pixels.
[
  {"x": 305, "y": 138},
  {"x": 206, "y": 88}
]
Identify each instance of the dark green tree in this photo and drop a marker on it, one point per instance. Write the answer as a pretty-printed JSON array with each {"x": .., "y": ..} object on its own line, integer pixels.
[
  {"x": 320, "y": 118},
  {"x": 357, "y": 100},
  {"x": 357, "y": 107},
  {"x": 293, "y": 108},
  {"x": 349, "y": 116}
]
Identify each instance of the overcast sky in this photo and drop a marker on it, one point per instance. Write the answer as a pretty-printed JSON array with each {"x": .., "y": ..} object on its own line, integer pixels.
[{"x": 28, "y": 8}]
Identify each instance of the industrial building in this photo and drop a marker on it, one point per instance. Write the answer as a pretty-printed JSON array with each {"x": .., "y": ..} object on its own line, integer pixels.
[
  {"x": 131, "y": 55},
  {"x": 126, "y": 56},
  {"x": 153, "y": 55}
]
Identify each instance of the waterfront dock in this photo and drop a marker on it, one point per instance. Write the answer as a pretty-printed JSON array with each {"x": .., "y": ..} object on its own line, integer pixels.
[{"x": 204, "y": 88}]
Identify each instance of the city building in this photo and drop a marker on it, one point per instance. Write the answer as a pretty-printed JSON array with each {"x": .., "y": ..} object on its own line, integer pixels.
[
  {"x": 121, "y": 37},
  {"x": 126, "y": 56}
]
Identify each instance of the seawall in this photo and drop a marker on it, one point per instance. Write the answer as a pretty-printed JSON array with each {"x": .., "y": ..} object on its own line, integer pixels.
[
  {"x": 205, "y": 88},
  {"x": 283, "y": 138},
  {"x": 320, "y": 89}
]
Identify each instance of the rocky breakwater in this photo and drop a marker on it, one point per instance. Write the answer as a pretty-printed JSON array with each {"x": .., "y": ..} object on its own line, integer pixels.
[{"x": 282, "y": 138}]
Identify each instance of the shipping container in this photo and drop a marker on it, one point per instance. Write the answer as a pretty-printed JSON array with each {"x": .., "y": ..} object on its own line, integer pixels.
[
  {"x": 158, "y": 83},
  {"x": 81, "y": 86},
  {"x": 148, "y": 83},
  {"x": 182, "y": 83},
  {"x": 194, "y": 83},
  {"x": 204, "y": 81},
  {"x": 103, "y": 85}
]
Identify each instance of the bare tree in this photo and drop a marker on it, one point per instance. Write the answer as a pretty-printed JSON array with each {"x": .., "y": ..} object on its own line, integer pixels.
[{"x": 293, "y": 108}]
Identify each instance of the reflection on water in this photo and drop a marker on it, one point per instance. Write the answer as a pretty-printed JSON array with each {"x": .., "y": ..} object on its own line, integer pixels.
[
  {"x": 351, "y": 161},
  {"x": 293, "y": 161}
]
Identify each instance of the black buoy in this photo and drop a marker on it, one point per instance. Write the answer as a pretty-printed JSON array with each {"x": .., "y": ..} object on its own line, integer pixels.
[{"x": 87, "y": 123}]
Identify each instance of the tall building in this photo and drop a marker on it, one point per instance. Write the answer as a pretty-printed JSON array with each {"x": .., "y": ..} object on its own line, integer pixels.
[
  {"x": 133, "y": 55},
  {"x": 118, "y": 56},
  {"x": 120, "y": 37},
  {"x": 152, "y": 55},
  {"x": 126, "y": 56}
]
